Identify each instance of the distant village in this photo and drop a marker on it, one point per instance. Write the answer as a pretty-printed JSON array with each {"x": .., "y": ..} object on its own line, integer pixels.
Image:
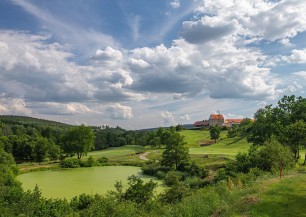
[{"x": 218, "y": 120}]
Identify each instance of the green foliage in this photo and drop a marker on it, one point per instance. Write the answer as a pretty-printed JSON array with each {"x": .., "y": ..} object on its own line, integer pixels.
[
  {"x": 54, "y": 151},
  {"x": 90, "y": 162},
  {"x": 138, "y": 191},
  {"x": 41, "y": 149},
  {"x": 174, "y": 194},
  {"x": 195, "y": 182},
  {"x": 79, "y": 140},
  {"x": 272, "y": 155},
  {"x": 179, "y": 127},
  {"x": 214, "y": 132},
  {"x": 173, "y": 178},
  {"x": 296, "y": 137},
  {"x": 285, "y": 122},
  {"x": 233, "y": 132},
  {"x": 176, "y": 153},
  {"x": 81, "y": 202},
  {"x": 152, "y": 169},
  {"x": 194, "y": 170},
  {"x": 103, "y": 160},
  {"x": 160, "y": 174},
  {"x": 70, "y": 163}
]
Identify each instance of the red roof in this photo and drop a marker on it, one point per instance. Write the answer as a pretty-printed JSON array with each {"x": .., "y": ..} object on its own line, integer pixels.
[
  {"x": 238, "y": 121},
  {"x": 216, "y": 117}
]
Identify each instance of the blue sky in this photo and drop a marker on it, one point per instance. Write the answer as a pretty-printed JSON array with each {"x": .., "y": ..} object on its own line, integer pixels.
[{"x": 143, "y": 63}]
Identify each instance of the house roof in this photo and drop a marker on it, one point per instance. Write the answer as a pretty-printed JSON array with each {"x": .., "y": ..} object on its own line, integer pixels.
[
  {"x": 237, "y": 121},
  {"x": 216, "y": 117},
  {"x": 201, "y": 123}
]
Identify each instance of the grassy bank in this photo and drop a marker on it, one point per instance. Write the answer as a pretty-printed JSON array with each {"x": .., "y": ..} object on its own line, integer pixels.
[{"x": 283, "y": 198}]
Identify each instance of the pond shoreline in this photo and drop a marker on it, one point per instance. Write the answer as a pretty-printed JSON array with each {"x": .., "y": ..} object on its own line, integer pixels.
[{"x": 67, "y": 183}]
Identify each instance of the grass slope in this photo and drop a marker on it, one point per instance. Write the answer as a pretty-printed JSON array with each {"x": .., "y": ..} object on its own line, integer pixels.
[
  {"x": 122, "y": 155},
  {"x": 226, "y": 146},
  {"x": 283, "y": 199},
  {"x": 117, "y": 151}
]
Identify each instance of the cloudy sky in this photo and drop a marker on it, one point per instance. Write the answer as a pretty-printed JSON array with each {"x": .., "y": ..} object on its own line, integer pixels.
[{"x": 144, "y": 63}]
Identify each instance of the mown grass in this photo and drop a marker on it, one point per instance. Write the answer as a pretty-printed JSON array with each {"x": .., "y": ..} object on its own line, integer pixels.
[
  {"x": 226, "y": 147},
  {"x": 128, "y": 150}
]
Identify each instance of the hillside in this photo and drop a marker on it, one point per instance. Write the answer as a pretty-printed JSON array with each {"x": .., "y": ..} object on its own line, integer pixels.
[
  {"x": 30, "y": 121},
  {"x": 225, "y": 146}
]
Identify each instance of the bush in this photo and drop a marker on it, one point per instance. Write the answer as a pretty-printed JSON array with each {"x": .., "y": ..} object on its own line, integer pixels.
[
  {"x": 195, "y": 170},
  {"x": 70, "y": 163},
  {"x": 152, "y": 169},
  {"x": 221, "y": 175},
  {"x": 174, "y": 194},
  {"x": 160, "y": 174},
  {"x": 103, "y": 160},
  {"x": 271, "y": 156},
  {"x": 81, "y": 202},
  {"x": 243, "y": 162},
  {"x": 268, "y": 157},
  {"x": 90, "y": 162},
  {"x": 173, "y": 178},
  {"x": 195, "y": 182}
]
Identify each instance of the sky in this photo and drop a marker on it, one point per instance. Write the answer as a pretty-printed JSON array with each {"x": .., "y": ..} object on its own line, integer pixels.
[{"x": 141, "y": 63}]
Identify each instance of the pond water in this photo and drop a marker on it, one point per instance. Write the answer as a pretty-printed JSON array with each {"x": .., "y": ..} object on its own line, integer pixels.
[{"x": 68, "y": 183}]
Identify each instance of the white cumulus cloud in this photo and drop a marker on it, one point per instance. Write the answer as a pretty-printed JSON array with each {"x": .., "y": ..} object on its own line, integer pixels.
[
  {"x": 167, "y": 118},
  {"x": 119, "y": 111}
]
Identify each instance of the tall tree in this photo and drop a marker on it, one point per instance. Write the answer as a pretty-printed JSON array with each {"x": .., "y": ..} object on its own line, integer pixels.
[
  {"x": 79, "y": 140},
  {"x": 40, "y": 150},
  {"x": 215, "y": 133},
  {"x": 296, "y": 137},
  {"x": 176, "y": 153},
  {"x": 285, "y": 122}
]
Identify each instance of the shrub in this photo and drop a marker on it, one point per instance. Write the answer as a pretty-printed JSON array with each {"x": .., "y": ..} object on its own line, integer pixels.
[
  {"x": 173, "y": 178},
  {"x": 243, "y": 162},
  {"x": 103, "y": 160},
  {"x": 271, "y": 156},
  {"x": 160, "y": 174},
  {"x": 174, "y": 194},
  {"x": 195, "y": 170},
  {"x": 90, "y": 162},
  {"x": 268, "y": 157},
  {"x": 152, "y": 169},
  {"x": 81, "y": 202},
  {"x": 221, "y": 175},
  {"x": 195, "y": 182},
  {"x": 70, "y": 163}
]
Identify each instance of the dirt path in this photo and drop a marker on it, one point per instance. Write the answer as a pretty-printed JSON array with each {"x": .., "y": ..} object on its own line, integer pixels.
[{"x": 143, "y": 156}]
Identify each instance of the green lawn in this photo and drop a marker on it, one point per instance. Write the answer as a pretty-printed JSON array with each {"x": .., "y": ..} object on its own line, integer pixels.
[
  {"x": 117, "y": 151},
  {"x": 195, "y": 137},
  {"x": 283, "y": 199},
  {"x": 228, "y": 147}
]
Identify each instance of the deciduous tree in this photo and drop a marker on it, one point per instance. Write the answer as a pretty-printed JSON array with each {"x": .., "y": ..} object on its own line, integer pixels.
[
  {"x": 176, "y": 153},
  {"x": 215, "y": 133},
  {"x": 79, "y": 140}
]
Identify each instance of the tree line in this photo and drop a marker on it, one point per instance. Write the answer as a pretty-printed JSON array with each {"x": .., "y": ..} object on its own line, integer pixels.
[{"x": 32, "y": 139}]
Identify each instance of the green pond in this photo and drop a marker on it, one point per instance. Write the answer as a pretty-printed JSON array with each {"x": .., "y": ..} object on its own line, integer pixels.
[{"x": 68, "y": 183}]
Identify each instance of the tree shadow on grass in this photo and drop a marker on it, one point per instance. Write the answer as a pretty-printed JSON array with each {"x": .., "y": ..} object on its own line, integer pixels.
[{"x": 237, "y": 139}]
